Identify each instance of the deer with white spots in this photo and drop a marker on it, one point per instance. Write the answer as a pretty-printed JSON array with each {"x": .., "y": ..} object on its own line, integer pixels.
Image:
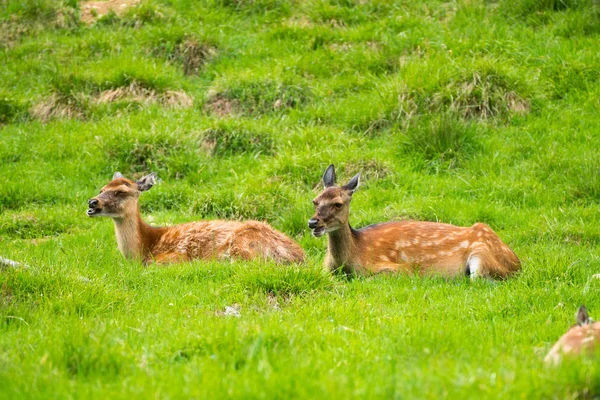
[
  {"x": 582, "y": 338},
  {"x": 196, "y": 240},
  {"x": 428, "y": 248}
]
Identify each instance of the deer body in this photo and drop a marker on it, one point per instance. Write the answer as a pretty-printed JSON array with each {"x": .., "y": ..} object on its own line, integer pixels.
[
  {"x": 580, "y": 339},
  {"x": 196, "y": 240},
  {"x": 405, "y": 246}
]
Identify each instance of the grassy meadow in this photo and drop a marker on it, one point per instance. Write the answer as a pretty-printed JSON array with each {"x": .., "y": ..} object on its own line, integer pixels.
[{"x": 459, "y": 112}]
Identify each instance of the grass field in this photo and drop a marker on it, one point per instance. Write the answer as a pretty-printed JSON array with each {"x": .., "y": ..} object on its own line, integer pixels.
[{"x": 458, "y": 112}]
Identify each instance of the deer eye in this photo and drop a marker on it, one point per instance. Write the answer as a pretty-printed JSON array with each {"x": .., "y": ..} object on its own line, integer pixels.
[{"x": 338, "y": 205}]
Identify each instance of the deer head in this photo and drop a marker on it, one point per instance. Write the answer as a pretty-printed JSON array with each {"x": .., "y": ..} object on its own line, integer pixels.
[
  {"x": 332, "y": 206},
  {"x": 119, "y": 196}
]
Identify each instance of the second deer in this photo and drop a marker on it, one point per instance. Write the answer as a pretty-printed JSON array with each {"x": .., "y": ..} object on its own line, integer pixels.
[
  {"x": 405, "y": 246},
  {"x": 195, "y": 240}
]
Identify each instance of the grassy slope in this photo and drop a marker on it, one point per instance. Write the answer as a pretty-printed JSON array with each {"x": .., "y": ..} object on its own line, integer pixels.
[{"x": 458, "y": 112}]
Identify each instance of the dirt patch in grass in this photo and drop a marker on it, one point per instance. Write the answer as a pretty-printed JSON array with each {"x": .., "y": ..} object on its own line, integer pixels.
[
  {"x": 221, "y": 105},
  {"x": 91, "y": 11}
]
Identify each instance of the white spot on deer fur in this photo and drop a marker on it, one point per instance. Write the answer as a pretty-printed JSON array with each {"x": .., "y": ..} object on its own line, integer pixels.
[
  {"x": 474, "y": 264},
  {"x": 384, "y": 258},
  {"x": 464, "y": 244}
]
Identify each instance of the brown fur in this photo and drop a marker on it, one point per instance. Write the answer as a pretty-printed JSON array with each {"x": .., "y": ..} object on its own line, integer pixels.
[
  {"x": 195, "y": 240},
  {"x": 583, "y": 338},
  {"x": 406, "y": 246}
]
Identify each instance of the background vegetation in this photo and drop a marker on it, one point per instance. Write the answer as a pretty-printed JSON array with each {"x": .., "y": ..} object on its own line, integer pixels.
[{"x": 461, "y": 111}]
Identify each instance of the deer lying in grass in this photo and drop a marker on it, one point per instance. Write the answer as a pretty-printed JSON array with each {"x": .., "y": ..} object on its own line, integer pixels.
[
  {"x": 196, "y": 240},
  {"x": 427, "y": 247},
  {"x": 584, "y": 337}
]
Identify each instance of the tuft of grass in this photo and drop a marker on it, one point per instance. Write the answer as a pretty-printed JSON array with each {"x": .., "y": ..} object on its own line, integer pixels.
[
  {"x": 440, "y": 143},
  {"x": 227, "y": 141},
  {"x": 252, "y": 98},
  {"x": 480, "y": 95},
  {"x": 284, "y": 282}
]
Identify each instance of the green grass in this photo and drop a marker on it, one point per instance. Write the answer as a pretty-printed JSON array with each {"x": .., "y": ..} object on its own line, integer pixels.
[{"x": 456, "y": 112}]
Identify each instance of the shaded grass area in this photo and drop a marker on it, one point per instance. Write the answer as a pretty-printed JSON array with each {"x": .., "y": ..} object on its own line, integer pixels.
[{"x": 454, "y": 112}]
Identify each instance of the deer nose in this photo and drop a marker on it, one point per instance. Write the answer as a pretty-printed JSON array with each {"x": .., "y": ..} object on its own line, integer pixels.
[
  {"x": 312, "y": 223},
  {"x": 92, "y": 203}
]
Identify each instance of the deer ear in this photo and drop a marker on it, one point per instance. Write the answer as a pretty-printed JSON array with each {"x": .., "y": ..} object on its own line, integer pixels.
[
  {"x": 329, "y": 176},
  {"x": 117, "y": 175},
  {"x": 146, "y": 182},
  {"x": 353, "y": 184},
  {"x": 582, "y": 317}
]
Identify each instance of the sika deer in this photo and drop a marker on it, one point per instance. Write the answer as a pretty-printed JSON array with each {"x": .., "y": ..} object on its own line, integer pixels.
[
  {"x": 426, "y": 247},
  {"x": 584, "y": 337},
  {"x": 195, "y": 240}
]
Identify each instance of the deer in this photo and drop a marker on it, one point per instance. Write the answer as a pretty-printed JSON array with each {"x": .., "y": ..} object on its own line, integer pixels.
[
  {"x": 427, "y": 248},
  {"x": 582, "y": 338},
  {"x": 209, "y": 239}
]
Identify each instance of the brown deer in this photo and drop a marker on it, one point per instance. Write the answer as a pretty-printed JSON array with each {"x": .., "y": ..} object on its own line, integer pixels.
[
  {"x": 582, "y": 338},
  {"x": 404, "y": 246},
  {"x": 196, "y": 240}
]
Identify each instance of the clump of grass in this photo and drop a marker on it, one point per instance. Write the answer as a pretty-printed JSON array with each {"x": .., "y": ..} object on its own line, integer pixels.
[
  {"x": 57, "y": 106},
  {"x": 158, "y": 152},
  {"x": 251, "y": 98},
  {"x": 440, "y": 143},
  {"x": 291, "y": 281},
  {"x": 227, "y": 141},
  {"x": 83, "y": 355},
  {"x": 144, "y": 14},
  {"x": 482, "y": 94},
  {"x": 231, "y": 204},
  {"x": 369, "y": 170},
  {"x": 526, "y": 8},
  {"x": 27, "y": 225},
  {"x": 12, "y": 111},
  {"x": 21, "y": 18},
  {"x": 74, "y": 96},
  {"x": 137, "y": 94},
  {"x": 572, "y": 77},
  {"x": 191, "y": 52},
  {"x": 272, "y": 7}
]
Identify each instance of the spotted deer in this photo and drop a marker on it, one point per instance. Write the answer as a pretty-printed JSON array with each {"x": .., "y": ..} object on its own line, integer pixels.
[
  {"x": 582, "y": 338},
  {"x": 405, "y": 246},
  {"x": 211, "y": 239}
]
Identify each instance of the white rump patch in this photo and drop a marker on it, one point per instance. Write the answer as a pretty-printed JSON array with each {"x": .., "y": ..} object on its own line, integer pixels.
[{"x": 473, "y": 264}]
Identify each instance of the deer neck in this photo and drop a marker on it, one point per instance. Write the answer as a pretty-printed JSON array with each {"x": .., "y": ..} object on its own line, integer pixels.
[
  {"x": 135, "y": 238},
  {"x": 341, "y": 246}
]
